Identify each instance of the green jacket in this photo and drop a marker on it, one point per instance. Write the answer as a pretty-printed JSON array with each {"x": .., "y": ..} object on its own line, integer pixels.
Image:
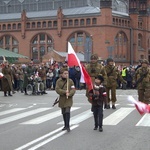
[
  {"x": 145, "y": 82},
  {"x": 61, "y": 87},
  {"x": 113, "y": 74}
]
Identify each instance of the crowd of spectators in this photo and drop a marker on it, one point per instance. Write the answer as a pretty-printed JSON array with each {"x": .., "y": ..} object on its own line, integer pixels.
[{"x": 52, "y": 75}]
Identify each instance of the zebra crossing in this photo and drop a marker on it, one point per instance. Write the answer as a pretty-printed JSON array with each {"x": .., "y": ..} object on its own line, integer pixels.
[{"x": 114, "y": 118}]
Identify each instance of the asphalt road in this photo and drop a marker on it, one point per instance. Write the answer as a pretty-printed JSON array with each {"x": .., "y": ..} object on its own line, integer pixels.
[{"x": 31, "y": 123}]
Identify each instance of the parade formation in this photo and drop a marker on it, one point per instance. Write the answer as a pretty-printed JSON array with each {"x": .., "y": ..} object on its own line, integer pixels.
[{"x": 100, "y": 81}]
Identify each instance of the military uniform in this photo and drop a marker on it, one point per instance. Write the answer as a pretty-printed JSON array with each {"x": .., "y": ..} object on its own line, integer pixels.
[
  {"x": 98, "y": 98},
  {"x": 142, "y": 79},
  {"x": 7, "y": 80},
  {"x": 65, "y": 103},
  {"x": 112, "y": 75},
  {"x": 94, "y": 69}
]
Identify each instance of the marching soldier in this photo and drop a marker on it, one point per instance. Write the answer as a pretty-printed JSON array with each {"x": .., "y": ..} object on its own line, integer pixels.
[
  {"x": 142, "y": 81},
  {"x": 112, "y": 75},
  {"x": 66, "y": 90},
  {"x": 94, "y": 69}
]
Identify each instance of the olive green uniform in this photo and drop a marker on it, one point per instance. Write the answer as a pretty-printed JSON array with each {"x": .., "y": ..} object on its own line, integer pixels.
[
  {"x": 143, "y": 85},
  {"x": 94, "y": 69},
  {"x": 112, "y": 75}
]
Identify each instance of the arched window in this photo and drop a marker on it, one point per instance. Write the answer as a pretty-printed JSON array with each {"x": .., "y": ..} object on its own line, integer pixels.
[
  {"x": 9, "y": 26},
  {"x": 10, "y": 43},
  {"x": 28, "y": 25},
  {"x": 94, "y": 21},
  {"x": 44, "y": 24},
  {"x": 14, "y": 26},
  {"x": 19, "y": 25},
  {"x": 4, "y": 27},
  {"x": 40, "y": 45},
  {"x": 120, "y": 50},
  {"x": 82, "y": 42},
  {"x": 88, "y": 21},
  {"x": 82, "y": 22}
]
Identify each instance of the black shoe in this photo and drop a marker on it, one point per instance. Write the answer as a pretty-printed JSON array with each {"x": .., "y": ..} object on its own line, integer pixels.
[
  {"x": 68, "y": 129},
  {"x": 5, "y": 95},
  {"x": 113, "y": 107},
  {"x": 64, "y": 128},
  {"x": 9, "y": 95},
  {"x": 108, "y": 106},
  {"x": 13, "y": 92},
  {"x": 95, "y": 128},
  {"x": 100, "y": 129},
  {"x": 25, "y": 93}
]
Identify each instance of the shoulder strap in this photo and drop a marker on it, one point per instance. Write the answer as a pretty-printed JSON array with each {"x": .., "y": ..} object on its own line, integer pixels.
[{"x": 64, "y": 84}]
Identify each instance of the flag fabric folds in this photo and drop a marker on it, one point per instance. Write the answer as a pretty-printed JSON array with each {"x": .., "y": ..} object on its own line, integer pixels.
[
  {"x": 73, "y": 60},
  {"x": 140, "y": 106}
]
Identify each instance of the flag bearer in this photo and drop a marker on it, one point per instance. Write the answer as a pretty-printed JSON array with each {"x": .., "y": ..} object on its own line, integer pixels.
[{"x": 66, "y": 89}]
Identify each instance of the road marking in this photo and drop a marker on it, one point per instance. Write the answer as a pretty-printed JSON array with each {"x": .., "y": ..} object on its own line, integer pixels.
[
  {"x": 45, "y": 136},
  {"x": 47, "y": 117},
  {"x": 11, "y": 111},
  {"x": 79, "y": 118},
  {"x": 145, "y": 121},
  {"x": 117, "y": 116},
  {"x": 22, "y": 115}
]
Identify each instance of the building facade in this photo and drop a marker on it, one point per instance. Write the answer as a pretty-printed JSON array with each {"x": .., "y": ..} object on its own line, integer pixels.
[{"x": 119, "y": 29}]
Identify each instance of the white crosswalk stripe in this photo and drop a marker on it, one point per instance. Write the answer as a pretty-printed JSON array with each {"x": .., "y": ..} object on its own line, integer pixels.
[
  {"x": 47, "y": 117},
  {"x": 22, "y": 115},
  {"x": 117, "y": 116},
  {"x": 145, "y": 121},
  {"x": 112, "y": 119},
  {"x": 11, "y": 111}
]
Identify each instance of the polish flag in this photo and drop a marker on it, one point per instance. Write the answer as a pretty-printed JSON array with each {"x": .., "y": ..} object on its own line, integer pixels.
[
  {"x": 74, "y": 61},
  {"x": 141, "y": 107},
  {"x": 1, "y": 75}
]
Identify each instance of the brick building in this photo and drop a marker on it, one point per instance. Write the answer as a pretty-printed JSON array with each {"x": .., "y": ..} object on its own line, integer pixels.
[{"x": 114, "y": 28}]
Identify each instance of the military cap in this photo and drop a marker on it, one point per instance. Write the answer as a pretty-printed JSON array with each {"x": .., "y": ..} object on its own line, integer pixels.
[
  {"x": 144, "y": 61},
  {"x": 63, "y": 69},
  {"x": 94, "y": 57},
  {"x": 100, "y": 77},
  {"x": 109, "y": 60}
]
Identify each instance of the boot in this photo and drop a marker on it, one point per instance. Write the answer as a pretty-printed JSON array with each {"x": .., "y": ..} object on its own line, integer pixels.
[
  {"x": 5, "y": 94},
  {"x": 67, "y": 121},
  {"x": 113, "y": 106},
  {"x": 100, "y": 129},
  {"x": 9, "y": 94},
  {"x": 64, "y": 118}
]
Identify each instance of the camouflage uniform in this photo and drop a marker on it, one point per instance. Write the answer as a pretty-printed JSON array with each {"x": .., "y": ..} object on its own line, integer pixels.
[
  {"x": 142, "y": 78},
  {"x": 94, "y": 69},
  {"x": 112, "y": 75}
]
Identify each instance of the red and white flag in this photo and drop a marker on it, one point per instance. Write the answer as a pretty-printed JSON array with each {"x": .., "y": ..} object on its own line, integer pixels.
[
  {"x": 141, "y": 107},
  {"x": 74, "y": 61},
  {"x": 1, "y": 75}
]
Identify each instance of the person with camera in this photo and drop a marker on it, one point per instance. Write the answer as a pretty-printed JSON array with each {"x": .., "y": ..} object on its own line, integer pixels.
[{"x": 98, "y": 98}]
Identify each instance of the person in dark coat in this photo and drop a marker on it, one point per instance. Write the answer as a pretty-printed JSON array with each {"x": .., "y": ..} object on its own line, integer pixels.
[
  {"x": 98, "y": 98},
  {"x": 7, "y": 80},
  {"x": 66, "y": 89}
]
